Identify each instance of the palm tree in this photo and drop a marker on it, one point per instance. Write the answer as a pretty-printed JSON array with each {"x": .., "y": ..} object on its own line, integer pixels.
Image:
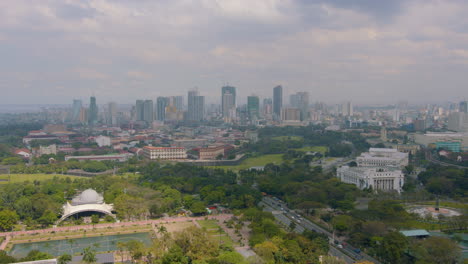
[
  {"x": 64, "y": 259},
  {"x": 89, "y": 255}
]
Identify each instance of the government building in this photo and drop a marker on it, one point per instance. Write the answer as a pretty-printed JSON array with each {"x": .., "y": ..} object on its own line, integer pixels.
[
  {"x": 379, "y": 178},
  {"x": 164, "y": 153},
  {"x": 382, "y": 157}
]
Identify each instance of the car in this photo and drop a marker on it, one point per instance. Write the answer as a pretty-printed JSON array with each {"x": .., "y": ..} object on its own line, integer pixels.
[
  {"x": 340, "y": 246},
  {"x": 357, "y": 251}
]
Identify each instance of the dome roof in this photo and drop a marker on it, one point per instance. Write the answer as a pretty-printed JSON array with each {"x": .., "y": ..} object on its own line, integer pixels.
[{"x": 88, "y": 196}]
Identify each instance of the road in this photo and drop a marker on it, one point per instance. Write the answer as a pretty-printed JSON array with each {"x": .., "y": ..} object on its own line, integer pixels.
[{"x": 285, "y": 215}]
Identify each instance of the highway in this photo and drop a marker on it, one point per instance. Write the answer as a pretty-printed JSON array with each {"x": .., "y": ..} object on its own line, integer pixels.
[{"x": 285, "y": 215}]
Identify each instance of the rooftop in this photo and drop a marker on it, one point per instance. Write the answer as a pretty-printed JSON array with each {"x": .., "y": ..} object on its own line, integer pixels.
[{"x": 415, "y": 233}]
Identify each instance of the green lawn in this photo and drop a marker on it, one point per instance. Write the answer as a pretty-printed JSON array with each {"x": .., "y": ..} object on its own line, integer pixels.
[
  {"x": 33, "y": 177},
  {"x": 297, "y": 138},
  {"x": 254, "y": 161},
  {"x": 213, "y": 230},
  {"x": 321, "y": 149}
]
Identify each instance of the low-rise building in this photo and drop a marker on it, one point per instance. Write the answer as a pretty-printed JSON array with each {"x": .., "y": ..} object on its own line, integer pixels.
[
  {"x": 379, "y": 178},
  {"x": 408, "y": 148},
  {"x": 103, "y": 141},
  {"x": 115, "y": 157},
  {"x": 211, "y": 153},
  {"x": 47, "y": 150},
  {"x": 378, "y": 157},
  {"x": 164, "y": 153}
]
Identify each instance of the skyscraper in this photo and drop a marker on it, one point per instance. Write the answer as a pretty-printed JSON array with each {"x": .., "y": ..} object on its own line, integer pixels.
[
  {"x": 300, "y": 101},
  {"x": 463, "y": 107},
  {"x": 161, "y": 104},
  {"x": 148, "y": 113},
  {"x": 111, "y": 114},
  {"x": 347, "y": 109},
  {"x": 277, "y": 101},
  {"x": 139, "y": 109},
  {"x": 93, "y": 111},
  {"x": 196, "y": 106},
  {"x": 76, "y": 110},
  {"x": 228, "y": 100},
  {"x": 178, "y": 102},
  {"x": 253, "y": 107}
]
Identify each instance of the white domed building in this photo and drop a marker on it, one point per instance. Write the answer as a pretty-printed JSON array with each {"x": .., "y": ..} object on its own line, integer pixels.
[{"x": 87, "y": 201}]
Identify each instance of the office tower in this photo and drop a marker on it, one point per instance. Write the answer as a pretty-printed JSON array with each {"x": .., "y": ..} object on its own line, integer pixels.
[
  {"x": 277, "y": 101},
  {"x": 290, "y": 114},
  {"x": 139, "y": 109},
  {"x": 300, "y": 101},
  {"x": 148, "y": 112},
  {"x": 347, "y": 109},
  {"x": 196, "y": 106},
  {"x": 77, "y": 105},
  {"x": 267, "y": 108},
  {"x": 228, "y": 100},
  {"x": 463, "y": 107},
  {"x": 111, "y": 114},
  {"x": 161, "y": 104},
  {"x": 458, "y": 121},
  {"x": 178, "y": 102},
  {"x": 253, "y": 107},
  {"x": 93, "y": 111}
]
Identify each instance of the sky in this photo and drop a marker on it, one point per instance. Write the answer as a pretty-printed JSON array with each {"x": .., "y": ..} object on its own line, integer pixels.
[{"x": 366, "y": 51}]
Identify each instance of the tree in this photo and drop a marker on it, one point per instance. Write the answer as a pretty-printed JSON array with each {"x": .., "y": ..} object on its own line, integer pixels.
[
  {"x": 231, "y": 257},
  {"x": 175, "y": 255},
  {"x": 198, "y": 208},
  {"x": 95, "y": 218},
  {"x": 89, "y": 255},
  {"x": 136, "y": 249},
  {"x": 64, "y": 259},
  {"x": 5, "y": 258},
  {"x": 292, "y": 225},
  {"x": 392, "y": 247},
  {"x": 436, "y": 250},
  {"x": 36, "y": 255},
  {"x": 8, "y": 219},
  {"x": 48, "y": 218}
]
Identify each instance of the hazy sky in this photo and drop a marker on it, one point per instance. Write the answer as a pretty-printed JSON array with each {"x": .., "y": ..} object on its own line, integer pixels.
[{"x": 362, "y": 50}]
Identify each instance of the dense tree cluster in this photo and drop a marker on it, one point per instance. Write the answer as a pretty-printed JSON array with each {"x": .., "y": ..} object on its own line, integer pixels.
[{"x": 446, "y": 181}]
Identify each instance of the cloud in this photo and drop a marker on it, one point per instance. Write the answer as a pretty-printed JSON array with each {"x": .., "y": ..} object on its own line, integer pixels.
[{"x": 335, "y": 49}]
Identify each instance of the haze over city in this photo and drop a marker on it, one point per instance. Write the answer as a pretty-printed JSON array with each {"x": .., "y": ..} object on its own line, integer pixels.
[{"x": 365, "y": 51}]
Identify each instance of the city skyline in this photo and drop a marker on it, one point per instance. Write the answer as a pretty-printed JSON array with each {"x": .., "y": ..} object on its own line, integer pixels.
[{"x": 334, "y": 50}]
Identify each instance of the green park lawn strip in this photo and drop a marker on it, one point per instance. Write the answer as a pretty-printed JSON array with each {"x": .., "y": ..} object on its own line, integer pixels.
[
  {"x": 254, "y": 162},
  {"x": 217, "y": 234},
  {"x": 320, "y": 149},
  {"x": 295, "y": 138},
  {"x": 34, "y": 177}
]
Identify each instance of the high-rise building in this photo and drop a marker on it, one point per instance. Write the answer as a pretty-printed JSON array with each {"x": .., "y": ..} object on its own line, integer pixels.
[
  {"x": 253, "y": 107},
  {"x": 93, "y": 111},
  {"x": 277, "y": 101},
  {"x": 463, "y": 107},
  {"x": 161, "y": 104},
  {"x": 458, "y": 121},
  {"x": 267, "y": 108},
  {"x": 300, "y": 100},
  {"x": 177, "y": 102},
  {"x": 139, "y": 109},
  {"x": 347, "y": 109},
  {"x": 111, "y": 114},
  {"x": 148, "y": 113},
  {"x": 290, "y": 114},
  {"x": 196, "y": 106},
  {"x": 228, "y": 100},
  {"x": 77, "y": 105}
]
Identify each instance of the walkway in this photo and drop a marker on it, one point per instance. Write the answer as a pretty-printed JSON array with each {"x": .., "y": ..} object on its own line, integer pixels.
[{"x": 166, "y": 220}]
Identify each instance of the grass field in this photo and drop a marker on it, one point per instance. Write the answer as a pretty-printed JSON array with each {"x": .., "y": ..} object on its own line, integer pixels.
[
  {"x": 254, "y": 161},
  {"x": 33, "y": 177},
  {"x": 297, "y": 138},
  {"x": 321, "y": 149},
  {"x": 215, "y": 232}
]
